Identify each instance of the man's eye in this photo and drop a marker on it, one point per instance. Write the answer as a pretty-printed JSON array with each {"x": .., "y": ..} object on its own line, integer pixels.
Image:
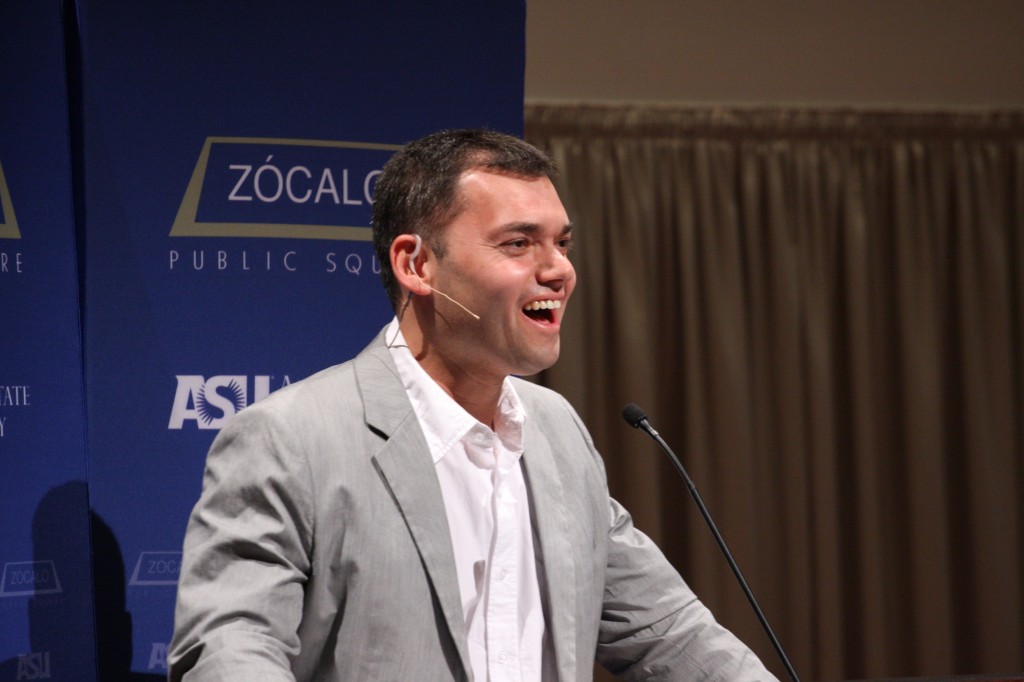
[{"x": 516, "y": 243}]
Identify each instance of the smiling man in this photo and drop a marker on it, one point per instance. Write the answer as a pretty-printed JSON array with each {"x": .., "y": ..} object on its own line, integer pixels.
[{"x": 418, "y": 513}]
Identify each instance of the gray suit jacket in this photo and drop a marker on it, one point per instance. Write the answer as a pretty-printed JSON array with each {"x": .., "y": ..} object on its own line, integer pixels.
[{"x": 319, "y": 550}]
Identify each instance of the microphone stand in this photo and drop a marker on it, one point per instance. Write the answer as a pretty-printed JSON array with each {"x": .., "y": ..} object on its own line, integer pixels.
[{"x": 637, "y": 419}]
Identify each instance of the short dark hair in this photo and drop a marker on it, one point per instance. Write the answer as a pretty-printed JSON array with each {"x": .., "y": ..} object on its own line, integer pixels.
[{"x": 417, "y": 192}]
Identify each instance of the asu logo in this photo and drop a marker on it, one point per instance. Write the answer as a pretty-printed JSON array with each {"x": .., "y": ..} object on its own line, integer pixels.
[
  {"x": 8, "y": 223},
  {"x": 34, "y": 666},
  {"x": 158, "y": 656},
  {"x": 270, "y": 187},
  {"x": 211, "y": 402}
]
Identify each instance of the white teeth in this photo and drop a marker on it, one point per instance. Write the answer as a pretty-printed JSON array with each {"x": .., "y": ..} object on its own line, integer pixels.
[{"x": 543, "y": 305}]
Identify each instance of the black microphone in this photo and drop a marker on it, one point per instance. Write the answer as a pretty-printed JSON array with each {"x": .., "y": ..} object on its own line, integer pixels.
[{"x": 636, "y": 418}]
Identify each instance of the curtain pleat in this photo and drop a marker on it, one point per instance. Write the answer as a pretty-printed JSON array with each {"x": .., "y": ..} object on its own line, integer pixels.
[{"x": 823, "y": 311}]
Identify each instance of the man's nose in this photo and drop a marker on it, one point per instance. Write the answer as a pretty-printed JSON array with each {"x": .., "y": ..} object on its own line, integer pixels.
[{"x": 555, "y": 268}]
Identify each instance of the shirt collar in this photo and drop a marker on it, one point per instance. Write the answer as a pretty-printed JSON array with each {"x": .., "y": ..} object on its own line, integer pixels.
[{"x": 444, "y": 421}]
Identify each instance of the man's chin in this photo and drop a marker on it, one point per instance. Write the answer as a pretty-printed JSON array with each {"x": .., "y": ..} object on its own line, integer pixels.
[{"x": 536, "y": 365}]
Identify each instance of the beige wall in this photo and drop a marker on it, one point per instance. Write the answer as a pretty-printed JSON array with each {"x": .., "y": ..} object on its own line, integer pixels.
[{"x": 868, "y": 53}]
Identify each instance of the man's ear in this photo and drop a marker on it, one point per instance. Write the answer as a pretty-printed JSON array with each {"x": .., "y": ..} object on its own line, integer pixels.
[{"x": 407, "y": 258}]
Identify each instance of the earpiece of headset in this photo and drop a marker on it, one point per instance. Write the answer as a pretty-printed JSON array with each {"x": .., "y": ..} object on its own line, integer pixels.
[{"x": 415, "y": 253}]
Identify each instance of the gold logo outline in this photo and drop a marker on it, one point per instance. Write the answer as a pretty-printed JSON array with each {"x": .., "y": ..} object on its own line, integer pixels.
[
  {"x": 185, "y": 224},
  {"x": 8, "y": 228}
]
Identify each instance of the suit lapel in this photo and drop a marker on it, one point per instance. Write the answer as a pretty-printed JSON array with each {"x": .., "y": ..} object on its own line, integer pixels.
[
  {"x": 556, "y": 550},
  {"x": 405, "y": 464}
]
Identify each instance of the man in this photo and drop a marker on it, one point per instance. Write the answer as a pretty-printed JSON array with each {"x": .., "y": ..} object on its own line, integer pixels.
[{"x": 417, "y": 513}]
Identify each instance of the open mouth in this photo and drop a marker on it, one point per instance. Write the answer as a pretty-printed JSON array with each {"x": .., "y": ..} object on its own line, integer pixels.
[{"x": 542, "y": 311}]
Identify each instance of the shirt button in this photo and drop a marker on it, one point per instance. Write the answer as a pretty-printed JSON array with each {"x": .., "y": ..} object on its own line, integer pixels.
[{"x": 502, "y": 658}]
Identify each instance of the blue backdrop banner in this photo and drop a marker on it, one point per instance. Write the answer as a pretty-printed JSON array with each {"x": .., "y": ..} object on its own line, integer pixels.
[
  {"x": 230, "y": 151},
  {"x": 46, "y": 616}
]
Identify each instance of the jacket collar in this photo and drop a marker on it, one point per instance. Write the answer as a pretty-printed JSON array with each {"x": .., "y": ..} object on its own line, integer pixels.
[
  {"x": 555, "y": 550},
  {"x": 403, "y": 460}
]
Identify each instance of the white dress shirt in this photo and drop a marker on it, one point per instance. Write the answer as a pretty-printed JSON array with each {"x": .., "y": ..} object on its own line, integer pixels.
[{"x": 487, "y": 506}]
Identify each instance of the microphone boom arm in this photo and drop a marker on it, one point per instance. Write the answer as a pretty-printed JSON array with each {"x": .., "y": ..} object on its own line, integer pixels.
[{"x": 637, "y": 419}]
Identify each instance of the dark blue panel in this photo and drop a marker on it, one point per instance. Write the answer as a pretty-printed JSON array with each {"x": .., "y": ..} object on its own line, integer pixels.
[{"x": 46, "y": 616}]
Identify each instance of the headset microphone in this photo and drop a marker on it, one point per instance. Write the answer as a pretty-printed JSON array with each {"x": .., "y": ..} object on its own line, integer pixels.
[{"x": 412, "y": 266}]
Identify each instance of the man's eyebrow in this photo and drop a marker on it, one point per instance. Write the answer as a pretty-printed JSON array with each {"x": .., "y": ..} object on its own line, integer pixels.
[{"x": 527, "y": 228}]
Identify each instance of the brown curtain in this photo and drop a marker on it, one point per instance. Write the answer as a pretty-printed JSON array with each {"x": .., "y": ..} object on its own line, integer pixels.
[{"x": 824, "y": 313}]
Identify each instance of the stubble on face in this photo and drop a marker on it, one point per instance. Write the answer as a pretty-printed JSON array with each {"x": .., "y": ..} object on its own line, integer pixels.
[{"x": 505, "y": 260}]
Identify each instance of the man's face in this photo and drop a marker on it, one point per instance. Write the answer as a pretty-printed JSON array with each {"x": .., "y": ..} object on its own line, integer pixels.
[{"x": 506, "y": 260}]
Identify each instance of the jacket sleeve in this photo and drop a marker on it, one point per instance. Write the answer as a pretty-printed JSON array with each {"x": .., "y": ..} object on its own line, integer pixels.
[
  {"x": 246, "y": 557},
  {"x": 653, "y": 626}
]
